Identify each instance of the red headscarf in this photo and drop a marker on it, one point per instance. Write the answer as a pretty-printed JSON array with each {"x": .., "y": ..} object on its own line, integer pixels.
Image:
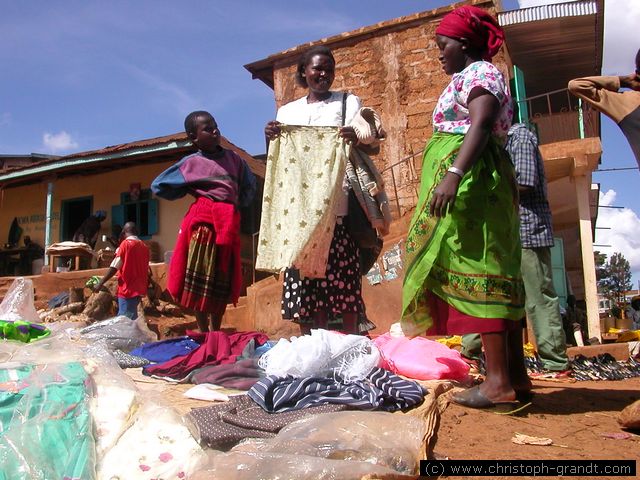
[{"x": 477, "y": 26}]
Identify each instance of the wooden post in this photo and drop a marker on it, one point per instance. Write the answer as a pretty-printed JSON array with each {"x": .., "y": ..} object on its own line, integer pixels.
[{"x": 583, "y": 188}]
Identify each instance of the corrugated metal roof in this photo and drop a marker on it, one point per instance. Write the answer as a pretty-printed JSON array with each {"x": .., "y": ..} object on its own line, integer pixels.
[
  {"x": 125, "y": 151},
  {"x": 547, "y": 12}
]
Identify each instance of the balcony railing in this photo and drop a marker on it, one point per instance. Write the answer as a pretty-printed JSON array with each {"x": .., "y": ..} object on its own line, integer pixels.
[{"x": 558, "y": 116}]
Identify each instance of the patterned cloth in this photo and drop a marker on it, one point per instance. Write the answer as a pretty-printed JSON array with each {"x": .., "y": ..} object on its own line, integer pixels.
[
  {"x": 223, "y": 426},
  {"x": 381, "y": 390},
  {"x": 305, "y": 169},
  {"x": 470, "y": 258},
  {"x": 340, "y": 291},
  {"x": 207, "y": 287},
  {"x": 535, "y": 214},
  {"x": 451, "y": 114}
]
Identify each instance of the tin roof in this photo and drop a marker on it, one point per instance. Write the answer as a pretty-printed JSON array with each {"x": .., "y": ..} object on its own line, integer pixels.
[{"x": 151, "y": 150}]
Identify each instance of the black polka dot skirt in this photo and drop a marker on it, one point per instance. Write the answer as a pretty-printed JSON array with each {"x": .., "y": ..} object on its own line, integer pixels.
[{"x": 339, "y": 292}]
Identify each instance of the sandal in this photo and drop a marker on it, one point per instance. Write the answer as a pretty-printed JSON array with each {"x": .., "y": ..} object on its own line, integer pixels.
[{"x": 474, "y": 398}]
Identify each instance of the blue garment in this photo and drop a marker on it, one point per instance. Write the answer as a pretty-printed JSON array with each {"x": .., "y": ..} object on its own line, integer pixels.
[
  {"x": 262, "y": 349},
  {"x": 45, "y": 424},
  {"x": 128, "y": 307},
  {"x": 165, "y": 350}
]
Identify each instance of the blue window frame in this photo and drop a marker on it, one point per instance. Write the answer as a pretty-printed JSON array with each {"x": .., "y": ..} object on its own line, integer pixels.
[{"x": 143, "y": 211}]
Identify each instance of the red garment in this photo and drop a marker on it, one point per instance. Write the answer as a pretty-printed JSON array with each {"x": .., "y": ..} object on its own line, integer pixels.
[
  {"x": 477, "y": 26},
  {"x": 451, "y": 321},
  {"x": 225, "y": 219},
  {"x": 133, "y": 277},
  {"x": 216, "y": 348}
]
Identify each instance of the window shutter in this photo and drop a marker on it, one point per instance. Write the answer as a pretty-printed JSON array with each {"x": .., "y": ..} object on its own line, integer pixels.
[{"x": 153, "y": 216}]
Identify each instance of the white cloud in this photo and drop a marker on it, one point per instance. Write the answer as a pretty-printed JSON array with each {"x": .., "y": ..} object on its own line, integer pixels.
[
  {"x": 623, "y": 234},
  {"x": 620, "y": 18},
  {"x": 58, "y": 142}
]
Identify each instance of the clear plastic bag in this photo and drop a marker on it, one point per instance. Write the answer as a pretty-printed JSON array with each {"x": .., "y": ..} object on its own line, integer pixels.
[
  {"x": 120, "y": 333},
  {"x": 45, "y": 421},
  {"x": 18, "y": 303},
  {"x": 352, "y": 357},
  {"x": 343, "y": 445}
]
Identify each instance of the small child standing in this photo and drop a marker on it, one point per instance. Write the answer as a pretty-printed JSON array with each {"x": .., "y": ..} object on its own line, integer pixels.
[{"x": 205, "y": 271}]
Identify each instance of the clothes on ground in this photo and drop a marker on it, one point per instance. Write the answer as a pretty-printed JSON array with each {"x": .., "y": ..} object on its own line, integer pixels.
[
  {"x": 340, "y": 291},
  {"x": 622, "y": 107},
  {"x": 165, "y": 350},
  {"x": 420, "y": 358},
  {"x": 241, "y": 375},
  {"x": 59, "y": 300},
  {"x": 46, "y": 430},
  {"x": 323, "y": 353},
  {"x": 223, "y": 426},
  {"x": 215, "y": 348},
  {"x": 535, "y": 214},
  {"x": 304, "y": 178},
  {"x": 126, "y": 360},
  {"x": 381, "y": 390},
  {"x": 206, "y": 256},
  {"x": 467, "y": 262},
  {"x": 132, "y": 263}
]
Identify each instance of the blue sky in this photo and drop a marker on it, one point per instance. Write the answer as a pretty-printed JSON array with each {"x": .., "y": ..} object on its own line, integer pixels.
[{"x": 81, "y": 75}]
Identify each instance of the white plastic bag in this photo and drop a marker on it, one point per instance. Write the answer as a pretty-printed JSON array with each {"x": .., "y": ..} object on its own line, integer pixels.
[
  {"x": 323, "y": 353},
  {"x": 18, "y": 303}
]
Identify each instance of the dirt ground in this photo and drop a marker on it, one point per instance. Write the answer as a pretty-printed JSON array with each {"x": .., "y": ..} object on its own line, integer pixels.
[{"x": 576, "y": 416}]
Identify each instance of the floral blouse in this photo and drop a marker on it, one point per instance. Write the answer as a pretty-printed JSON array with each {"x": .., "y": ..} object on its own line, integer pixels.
[{"x": 452, "y": 113}]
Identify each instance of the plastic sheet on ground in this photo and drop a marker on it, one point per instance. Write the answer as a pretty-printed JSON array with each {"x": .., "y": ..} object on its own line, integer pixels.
[
  {"x": 68, "y": 411},
  {"x": 323, "y": 353},
  {"x": 119, "y": 333},
  {"x": 18, "y": 302},
  {"x": 343, "y": 445}
]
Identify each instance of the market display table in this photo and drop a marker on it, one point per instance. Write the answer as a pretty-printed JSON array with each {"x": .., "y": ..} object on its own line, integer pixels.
[{"x": 76, "y": 250}]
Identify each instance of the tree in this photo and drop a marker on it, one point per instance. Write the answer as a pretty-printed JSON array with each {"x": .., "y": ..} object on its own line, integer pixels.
[{"x": 614, "y": 276}]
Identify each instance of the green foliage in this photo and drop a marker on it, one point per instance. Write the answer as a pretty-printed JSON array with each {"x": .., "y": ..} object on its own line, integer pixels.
[{"x": 614, "y": 276}]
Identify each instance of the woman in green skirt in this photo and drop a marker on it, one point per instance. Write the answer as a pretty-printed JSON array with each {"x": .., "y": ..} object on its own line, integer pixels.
[{"x": 463, "y": 247}]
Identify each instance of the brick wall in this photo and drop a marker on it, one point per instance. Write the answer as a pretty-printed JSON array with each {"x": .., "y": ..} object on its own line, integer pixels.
[{"x": 398, "y": 74}]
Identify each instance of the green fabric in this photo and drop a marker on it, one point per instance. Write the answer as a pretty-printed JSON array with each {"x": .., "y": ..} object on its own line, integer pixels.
[
  {"x": 543, "y": 312},
  {"x": 45, "y": 424},
  {"x": 543, "y": 308},
  {"x": 471, "y": 257},
  {"x": 22, "y": 331}
]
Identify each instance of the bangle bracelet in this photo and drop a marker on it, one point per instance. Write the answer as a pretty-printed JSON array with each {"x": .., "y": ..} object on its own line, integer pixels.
[{"x": 456, "y": 170}]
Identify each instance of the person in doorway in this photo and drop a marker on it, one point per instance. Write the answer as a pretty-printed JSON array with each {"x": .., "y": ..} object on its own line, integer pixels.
[
  {"x": 132, "y": 265},
  {"x": 335, "y": 301},
  {"x": 89, "y": 229},
  {"x": 205, "y": 273},
  {"x": 32, "y": 252},
  {"x": 542, "y": 304},
  {"x": 623, "y": 107},
  {"x": 462, "y": 249}
]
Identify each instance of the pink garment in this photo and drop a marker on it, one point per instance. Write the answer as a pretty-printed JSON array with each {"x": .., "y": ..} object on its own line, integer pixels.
[
  {"x": 420, "y": 358},
  {"x": 216, "y": 348}
]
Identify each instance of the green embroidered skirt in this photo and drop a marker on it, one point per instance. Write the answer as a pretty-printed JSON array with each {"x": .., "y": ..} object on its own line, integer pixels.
[{"x": 469, "y": 260}]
